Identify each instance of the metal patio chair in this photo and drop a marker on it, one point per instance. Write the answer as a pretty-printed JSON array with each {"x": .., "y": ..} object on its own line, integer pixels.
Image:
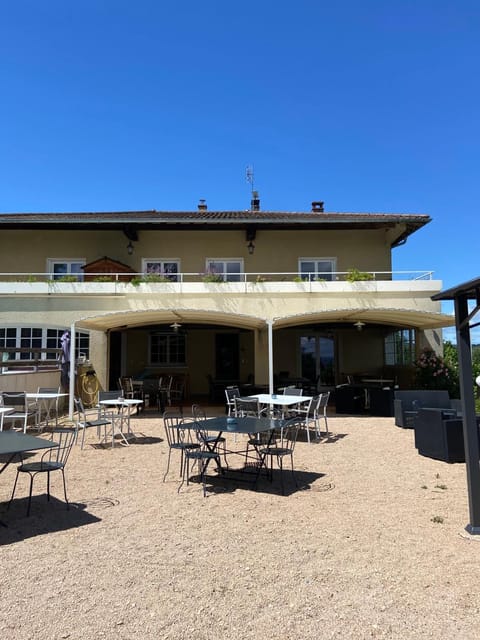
[
  {"x": 52, "y": 460},
  {"x": 202, "y": 456},
  {"x": 247, "y": 407},
  {"x": 85, "y": 422},
  {"x": 230, "y": 394},
  {"x": 199, "y": 415},
  {"x": 312, "y": 411},
  {"x": 292, "y": 391},
  {"x": 22, "y": 409},
  {"x": 178, "y": 438},
  {"x": 283, "y": 447}
]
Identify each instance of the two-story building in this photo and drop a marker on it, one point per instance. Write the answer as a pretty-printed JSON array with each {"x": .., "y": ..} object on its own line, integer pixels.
[{"x": 219, "y": 295}]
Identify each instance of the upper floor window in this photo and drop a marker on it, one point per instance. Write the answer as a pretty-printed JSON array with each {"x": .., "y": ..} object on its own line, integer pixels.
[
  {"x": 400, "y": 347},
  {"x": 316, "y": 268},
  {"x": 58, "y": 268},
  {"x": 165, "y": 267},
  {"x": 228, "y": 270}
]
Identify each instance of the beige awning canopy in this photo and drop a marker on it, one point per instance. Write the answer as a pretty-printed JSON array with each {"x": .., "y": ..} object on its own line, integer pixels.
[
  {"x": 394, "y": 317},
  {"x": 130, "y": 319}
]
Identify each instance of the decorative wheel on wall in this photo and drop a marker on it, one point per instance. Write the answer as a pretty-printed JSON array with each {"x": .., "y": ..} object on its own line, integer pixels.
[{"x": 90, "y": 388}]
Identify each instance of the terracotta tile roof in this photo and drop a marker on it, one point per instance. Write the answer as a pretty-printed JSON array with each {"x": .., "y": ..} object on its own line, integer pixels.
[
  {"x": 130, "y": 222},
  {"x": 189, "y": 217}
]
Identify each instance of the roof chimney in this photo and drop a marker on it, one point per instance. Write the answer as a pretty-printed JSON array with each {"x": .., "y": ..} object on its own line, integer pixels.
[
  {"x": 202, "y": 205},
  {"x": 255, "y": 201},
  {"x": 317, "y": 206}
]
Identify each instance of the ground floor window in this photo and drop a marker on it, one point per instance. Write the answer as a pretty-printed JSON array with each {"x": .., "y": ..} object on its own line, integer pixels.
[
  {"x": 167, "y": 349},
  {"x": 400, "y": 347},
  {"x": 30, "y": 338},
  {"x": 39, "y": 338}
]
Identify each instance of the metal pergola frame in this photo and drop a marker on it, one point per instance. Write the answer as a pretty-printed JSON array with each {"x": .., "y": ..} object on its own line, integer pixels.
[{"x": 461, "y": 296}]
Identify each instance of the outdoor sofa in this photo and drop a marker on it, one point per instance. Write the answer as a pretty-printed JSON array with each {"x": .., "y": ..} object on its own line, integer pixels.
[{"x": 408, "y": 402}]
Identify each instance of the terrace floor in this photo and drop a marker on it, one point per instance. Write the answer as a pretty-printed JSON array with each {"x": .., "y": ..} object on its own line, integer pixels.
[{"x": 371, "y": 546}]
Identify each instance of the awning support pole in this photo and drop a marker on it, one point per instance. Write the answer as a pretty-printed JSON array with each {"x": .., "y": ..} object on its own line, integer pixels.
[
  {"x": 270, "y": 355},
  {"x": 71, "y": 390}
]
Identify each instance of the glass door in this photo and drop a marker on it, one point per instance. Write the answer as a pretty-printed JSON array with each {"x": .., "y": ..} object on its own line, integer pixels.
[{"x": 318, "y": 359}]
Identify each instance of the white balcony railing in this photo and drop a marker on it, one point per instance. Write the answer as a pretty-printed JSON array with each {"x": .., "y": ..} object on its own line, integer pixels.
[
  {"x": 121, "y": 284},
  {"x": 134, "y": 279}
]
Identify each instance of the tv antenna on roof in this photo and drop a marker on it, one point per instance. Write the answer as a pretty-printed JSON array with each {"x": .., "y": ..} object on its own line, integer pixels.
[
  {"x": 255, "y": 201},
  {"x": 249, "y": 175}
]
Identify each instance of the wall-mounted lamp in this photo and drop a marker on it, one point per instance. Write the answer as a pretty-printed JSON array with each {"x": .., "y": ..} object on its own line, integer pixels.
[
  {"x": 359, "y": 325},
  {"x": 250, "y": 237},
  {"x": 175, "y": 326},
  {"x": 131, "y": 234}
]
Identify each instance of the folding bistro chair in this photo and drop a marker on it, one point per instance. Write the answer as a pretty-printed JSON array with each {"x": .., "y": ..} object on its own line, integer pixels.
[
  {"x": 283, "y": 447},
  {"x": 199, "y": 415},
  {"x": 52, "y": 460},
  {"x": 230, "y": 394},
  {"x": 312, "y": 411},
  {"x": 22, "y": 409},
  {"x": 178, "y": 438},
  {"x": 83, "y": 422},
  {"x": 203, "y": 455}
]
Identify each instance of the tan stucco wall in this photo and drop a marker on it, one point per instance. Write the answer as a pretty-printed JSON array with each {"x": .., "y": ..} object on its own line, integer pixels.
[
  {"x": 29, "y": 381},
  {"x": 274, "y": 250}
]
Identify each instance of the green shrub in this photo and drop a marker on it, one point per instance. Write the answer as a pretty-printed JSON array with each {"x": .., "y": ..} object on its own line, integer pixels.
[
  {"x": 148, "y": 278},
  {"x": 68, "y": 277},
  {"x": 213, "y": 277},
  {"x": 354, "y": 275}
]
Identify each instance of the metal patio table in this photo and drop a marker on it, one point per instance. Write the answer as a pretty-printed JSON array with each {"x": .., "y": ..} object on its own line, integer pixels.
[
  {"x": 123, "y": 405},
  {"x": 249, "y": 426},
  {"x": 45, "y": 401},
  {"x": 280, "y": 400}
]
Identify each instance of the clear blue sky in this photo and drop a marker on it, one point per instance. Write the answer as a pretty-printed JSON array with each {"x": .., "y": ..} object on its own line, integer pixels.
[{"x": 371, "y": 106}]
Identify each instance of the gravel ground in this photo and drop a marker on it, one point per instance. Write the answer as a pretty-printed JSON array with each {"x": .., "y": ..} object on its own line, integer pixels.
[{"x": 372, "y": 545}]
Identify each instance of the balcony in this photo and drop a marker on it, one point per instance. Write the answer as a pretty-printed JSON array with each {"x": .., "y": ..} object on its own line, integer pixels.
[{"x": 340, "y": 282}]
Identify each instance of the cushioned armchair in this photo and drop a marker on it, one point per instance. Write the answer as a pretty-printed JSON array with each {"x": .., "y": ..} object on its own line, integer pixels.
[
  {"x": 413, "y": 400},
  {"x": 439, "y": 435}
]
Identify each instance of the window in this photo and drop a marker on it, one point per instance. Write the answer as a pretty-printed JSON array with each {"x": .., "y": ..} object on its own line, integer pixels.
[
  {"x": 400, "y": 347},
  {"x": 167, "y": 349},
  {"x": 168, "y": 268},
  {"x": 39, "y": 338},
  {"x": 316, "y": 268},
  {"x": 59, "y": 268},
  {"x": 30, "y": 339},
  {"x": 228, "y": 270},
  {"x": 82, "y": 342},
  {"x": 8, "y": 339}
]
